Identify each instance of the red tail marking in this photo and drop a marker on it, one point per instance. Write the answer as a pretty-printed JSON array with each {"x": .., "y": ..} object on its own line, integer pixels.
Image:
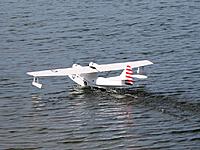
[
  {"x": 127, "y": 69},
  {"x": 129, "y": 78},
  {"x": 129, "y": 73}
]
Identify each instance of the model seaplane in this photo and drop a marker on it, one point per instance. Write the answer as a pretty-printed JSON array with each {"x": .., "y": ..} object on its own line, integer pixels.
[{"x": 87, "y": 76}]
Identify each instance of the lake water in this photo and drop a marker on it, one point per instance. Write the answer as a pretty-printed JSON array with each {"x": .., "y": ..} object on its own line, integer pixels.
[{"x": 42, "y": 34}]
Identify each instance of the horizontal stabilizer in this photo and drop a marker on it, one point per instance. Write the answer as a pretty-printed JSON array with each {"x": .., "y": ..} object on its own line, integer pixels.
[{"x": 139, "y": 76}]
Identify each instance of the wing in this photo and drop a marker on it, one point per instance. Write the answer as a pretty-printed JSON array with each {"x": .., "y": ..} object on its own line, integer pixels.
[
  {"x": 62, "y": 72},
  {"x": 120, "y": 66},
  {"x": 89, "y": 69}
]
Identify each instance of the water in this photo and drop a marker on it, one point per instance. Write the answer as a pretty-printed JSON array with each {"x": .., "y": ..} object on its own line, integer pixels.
[{"x": 37, "y": 35}]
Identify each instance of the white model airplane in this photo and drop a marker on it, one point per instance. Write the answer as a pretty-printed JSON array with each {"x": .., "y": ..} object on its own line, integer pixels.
[{"x": 87, "y": 76}]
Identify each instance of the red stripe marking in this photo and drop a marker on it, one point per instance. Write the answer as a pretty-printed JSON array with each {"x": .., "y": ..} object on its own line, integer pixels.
[
  {"x": 128, "y": 69},
  {"x": 129, "y": 80},
  {"x": 129, "y": 73},
  {"x": 128, "y": 84},
  {"x": 129, "y": 77}
]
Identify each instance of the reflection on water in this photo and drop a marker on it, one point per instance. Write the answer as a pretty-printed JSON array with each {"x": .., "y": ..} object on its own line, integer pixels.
[
  {"x": 98, "y": 119},
  {"x": 120, "y": 118},
  {"x": 37, "y": 102}
]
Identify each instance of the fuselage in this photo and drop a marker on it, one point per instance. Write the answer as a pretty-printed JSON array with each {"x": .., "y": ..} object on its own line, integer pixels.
[
  {"x": 98, "y": 81},
  {"x": 92, "y": 80}
]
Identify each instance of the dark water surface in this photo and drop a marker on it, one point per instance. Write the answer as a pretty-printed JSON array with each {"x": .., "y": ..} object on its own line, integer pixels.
[{"x": 44, "y": 34}]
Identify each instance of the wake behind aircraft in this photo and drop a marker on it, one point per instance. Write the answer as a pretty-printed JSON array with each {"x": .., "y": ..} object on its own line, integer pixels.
[{"x": 87, "y": 76}]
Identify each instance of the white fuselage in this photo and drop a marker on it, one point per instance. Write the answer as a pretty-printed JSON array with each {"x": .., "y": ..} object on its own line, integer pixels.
[
  {"x": 92, "y": 80},
  {"x": 97, "y": 81}
]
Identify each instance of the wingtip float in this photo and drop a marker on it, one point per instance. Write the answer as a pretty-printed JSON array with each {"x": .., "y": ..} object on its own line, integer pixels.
[{"x": 87, "y": 76}]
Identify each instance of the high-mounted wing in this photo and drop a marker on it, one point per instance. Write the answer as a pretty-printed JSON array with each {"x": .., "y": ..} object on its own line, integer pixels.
[
  {"x": 62, "y": 72},
  {"x": 92, "y": 68},
  {"x": 120, "y": 66}
]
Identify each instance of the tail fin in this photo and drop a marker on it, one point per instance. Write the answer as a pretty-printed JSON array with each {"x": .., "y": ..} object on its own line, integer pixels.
[{"x": 127, "y": 75}]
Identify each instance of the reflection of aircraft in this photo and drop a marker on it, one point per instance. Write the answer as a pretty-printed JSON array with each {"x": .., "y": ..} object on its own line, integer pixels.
[{"x": 86, "y": 76}]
